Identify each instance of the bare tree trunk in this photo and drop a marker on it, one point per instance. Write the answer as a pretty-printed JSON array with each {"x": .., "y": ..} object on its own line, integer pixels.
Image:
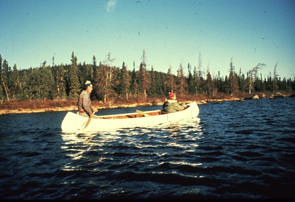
[
  {"x": 106, "y": 88},
  {"x": 144, "y": 91},
  {"x": 5, "y": 88},
  {"x": 1, "y": 76}
]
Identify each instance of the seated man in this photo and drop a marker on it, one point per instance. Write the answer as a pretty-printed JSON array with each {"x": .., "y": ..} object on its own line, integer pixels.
[
  {"x": 171, "y": 105},
  {"x": 84, "y": 103}
]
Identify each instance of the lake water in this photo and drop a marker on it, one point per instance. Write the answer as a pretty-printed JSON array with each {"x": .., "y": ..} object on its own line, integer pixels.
[{"x": 232, "y": 150}]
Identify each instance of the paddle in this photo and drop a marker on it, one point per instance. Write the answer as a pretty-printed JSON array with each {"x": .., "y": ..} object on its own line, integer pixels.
[
  {"x": 142, "y": 113},
  {"x": 87, "y": 123}
]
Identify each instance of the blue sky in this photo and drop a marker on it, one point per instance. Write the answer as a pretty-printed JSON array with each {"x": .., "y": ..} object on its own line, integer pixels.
[{"x": 170, "y": 31}]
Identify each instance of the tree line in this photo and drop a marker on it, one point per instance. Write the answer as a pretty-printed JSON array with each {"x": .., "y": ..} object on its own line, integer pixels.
[{"x": 110, "y": 82}]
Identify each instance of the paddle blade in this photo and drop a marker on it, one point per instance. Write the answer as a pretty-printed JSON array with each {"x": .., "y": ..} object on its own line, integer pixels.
[{"x": 87, "y": 123}]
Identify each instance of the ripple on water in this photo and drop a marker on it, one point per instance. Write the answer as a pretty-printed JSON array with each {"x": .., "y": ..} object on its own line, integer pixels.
[{"x": 233, "y": 150}]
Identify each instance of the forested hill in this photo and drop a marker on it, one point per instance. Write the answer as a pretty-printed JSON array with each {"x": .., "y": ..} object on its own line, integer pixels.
[{"x": 67, "y": 81}]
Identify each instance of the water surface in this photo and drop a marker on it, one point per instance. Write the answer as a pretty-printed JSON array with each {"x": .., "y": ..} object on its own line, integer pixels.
[{"x": 232, "y": 150}]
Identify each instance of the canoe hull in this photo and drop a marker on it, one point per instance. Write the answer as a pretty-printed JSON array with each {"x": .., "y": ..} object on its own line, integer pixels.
[{"x": 75, "y": 123}]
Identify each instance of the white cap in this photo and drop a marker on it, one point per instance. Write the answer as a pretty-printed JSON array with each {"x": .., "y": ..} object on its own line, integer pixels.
[{"x": 88, "y": 83}]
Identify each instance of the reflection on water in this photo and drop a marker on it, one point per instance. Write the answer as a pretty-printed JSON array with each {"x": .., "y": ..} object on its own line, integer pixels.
[{"x": 80, "y": 146}]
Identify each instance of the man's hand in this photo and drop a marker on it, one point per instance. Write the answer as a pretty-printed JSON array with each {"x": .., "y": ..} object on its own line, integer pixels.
[{"x": 94, "y": 111}]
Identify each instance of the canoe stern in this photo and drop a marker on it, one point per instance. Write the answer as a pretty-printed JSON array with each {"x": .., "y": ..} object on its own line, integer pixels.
[{"x": 72, "y": 122}]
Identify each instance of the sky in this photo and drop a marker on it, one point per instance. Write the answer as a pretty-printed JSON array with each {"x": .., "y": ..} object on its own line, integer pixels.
[{"x": 171, "y": 32}]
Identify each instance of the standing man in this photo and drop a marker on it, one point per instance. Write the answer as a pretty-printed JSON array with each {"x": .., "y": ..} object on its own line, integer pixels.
[{"x": 84, "y": 103}]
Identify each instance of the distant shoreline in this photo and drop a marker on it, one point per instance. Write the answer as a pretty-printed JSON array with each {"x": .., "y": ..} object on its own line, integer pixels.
[{"x": 53, "y": 106}]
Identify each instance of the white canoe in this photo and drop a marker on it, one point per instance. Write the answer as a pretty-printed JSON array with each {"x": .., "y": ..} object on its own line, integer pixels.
[{"x": 75, "y": 123}]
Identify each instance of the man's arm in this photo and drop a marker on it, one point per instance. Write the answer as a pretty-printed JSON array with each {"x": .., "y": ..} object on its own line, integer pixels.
[
  {"x": 86, "y": 104},
  {"x": 94, "y": 110},
  {"x": 177, "y": 107}
]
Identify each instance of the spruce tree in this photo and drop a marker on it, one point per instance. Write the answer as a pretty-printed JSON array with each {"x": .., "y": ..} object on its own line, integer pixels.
[
  {"x": 134, "y": 84},
  {"x": 233, "y": 82},
  {"x": 124, "y": 86},
  {"x": 144, "y": 79},
  {"x": 74, "y": 84},
  {"x": 25, "y": 85},
  {"x": 209, "y": 84},
  {"x": 269, "y": 83},
  {"x": 219, "y": 82},
  {"x": 101, "y": 82},
  {"x": 181, "y": 84},
  {"x": 163, "y": 87},
  {"x": 105, "y": 80},
  {"x": 226, "y": 85},
  {"x": 275, "y": 79},
  {"x": 47, "y": 83},
  {"x": 154, "y": 83},
  {"x": 171, "y": 86},
  {"x": 190, "y": 81},
  {"x": 197, "y": 81},
  {"x": 58, "y": 73},
  {"x": 6, "y": 75},
  {"x": 35, "y": 83},
  {"x": 16, "y": 86}
]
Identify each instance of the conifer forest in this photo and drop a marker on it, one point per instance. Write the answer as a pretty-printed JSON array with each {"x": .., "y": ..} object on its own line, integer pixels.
[{"x": 60, "y": 82}]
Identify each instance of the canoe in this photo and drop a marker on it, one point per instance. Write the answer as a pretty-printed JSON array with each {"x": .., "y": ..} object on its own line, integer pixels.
[{"x": 73, "y": 122}]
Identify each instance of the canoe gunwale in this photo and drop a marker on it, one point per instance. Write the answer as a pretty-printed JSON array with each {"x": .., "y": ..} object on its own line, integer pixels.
[
  {"x": 130, "y": 115},
  {"x": 136, "y": 115}
]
